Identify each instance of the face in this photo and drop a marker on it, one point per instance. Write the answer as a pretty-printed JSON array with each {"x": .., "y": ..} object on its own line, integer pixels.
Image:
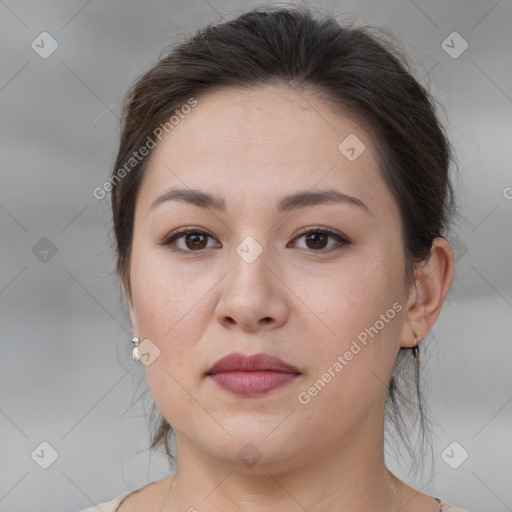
[{"x": 316, "y": 283}]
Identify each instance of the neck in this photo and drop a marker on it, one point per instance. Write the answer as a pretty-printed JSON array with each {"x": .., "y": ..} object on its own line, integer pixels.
[{"x": 347, "y": 476}]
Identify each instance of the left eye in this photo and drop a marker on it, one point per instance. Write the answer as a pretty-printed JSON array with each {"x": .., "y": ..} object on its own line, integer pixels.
[
  {"x": 318, "y": 239},
  {"x": 196, "y": 240}
]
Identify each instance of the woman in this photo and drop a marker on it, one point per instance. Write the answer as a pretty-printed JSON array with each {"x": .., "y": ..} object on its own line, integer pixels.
[{"x": 279, "y": 202}]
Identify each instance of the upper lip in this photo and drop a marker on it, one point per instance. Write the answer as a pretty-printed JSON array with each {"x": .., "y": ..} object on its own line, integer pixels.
[{"x": 237, "y": 361}]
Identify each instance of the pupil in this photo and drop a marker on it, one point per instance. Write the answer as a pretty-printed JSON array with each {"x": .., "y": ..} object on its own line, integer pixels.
[
  {"x": 196, "y": 243},
  {"x": 315, "y": 236}
]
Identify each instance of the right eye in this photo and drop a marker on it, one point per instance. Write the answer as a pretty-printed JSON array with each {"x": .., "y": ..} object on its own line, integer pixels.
[{"x": 194, "y": 240}]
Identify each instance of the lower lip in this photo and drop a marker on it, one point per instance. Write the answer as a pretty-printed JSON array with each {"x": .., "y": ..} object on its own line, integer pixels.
[{"x": 252, "y": 383}]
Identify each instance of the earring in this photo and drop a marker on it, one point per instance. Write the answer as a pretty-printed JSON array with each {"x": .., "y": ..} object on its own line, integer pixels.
[
  {"x": 135, "y": 351},
  {"x": 415, "y": 348}
]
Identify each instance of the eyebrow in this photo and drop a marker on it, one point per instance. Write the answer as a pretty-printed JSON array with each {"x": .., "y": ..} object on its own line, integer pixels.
[{"x": 285, "y": 204}]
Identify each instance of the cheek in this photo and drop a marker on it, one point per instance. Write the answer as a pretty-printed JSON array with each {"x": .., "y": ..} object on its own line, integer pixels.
[
  {"x": 359, "y": 310},
  {"x": 163, "y": 294},
  {"x": 352, "y": 296},
  {"x": 169, "y": 311}
]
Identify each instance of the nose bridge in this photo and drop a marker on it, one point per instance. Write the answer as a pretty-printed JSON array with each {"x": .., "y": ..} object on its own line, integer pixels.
[
  {"x": 249, "y": 295},
  {"x": 250, "y": 260},
  {"x": 251, "y": 238}
]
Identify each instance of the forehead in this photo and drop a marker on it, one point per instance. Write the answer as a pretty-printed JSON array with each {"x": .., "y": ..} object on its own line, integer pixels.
[{"x": 264, "y": 140}]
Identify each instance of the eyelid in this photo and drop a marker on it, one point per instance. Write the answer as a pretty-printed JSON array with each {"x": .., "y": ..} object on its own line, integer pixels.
[{"x": 320, "y": 229}]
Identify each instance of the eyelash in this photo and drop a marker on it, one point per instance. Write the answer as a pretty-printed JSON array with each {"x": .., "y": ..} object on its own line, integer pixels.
[{"x": 182, "y": 233}]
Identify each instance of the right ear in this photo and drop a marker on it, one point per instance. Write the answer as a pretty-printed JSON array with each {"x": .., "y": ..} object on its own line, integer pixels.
[{"x": 129, "y": 300}]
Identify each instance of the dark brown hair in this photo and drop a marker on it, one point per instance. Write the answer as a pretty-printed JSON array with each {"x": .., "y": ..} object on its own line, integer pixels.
[{"x": 356, "y": 72}]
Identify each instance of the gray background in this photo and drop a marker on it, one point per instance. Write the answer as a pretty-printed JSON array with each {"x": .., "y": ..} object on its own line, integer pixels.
[{"x": 66, "y": 374}]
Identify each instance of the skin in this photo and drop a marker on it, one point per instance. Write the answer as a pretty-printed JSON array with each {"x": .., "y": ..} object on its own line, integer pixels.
[{"x": 251, "y": 147}]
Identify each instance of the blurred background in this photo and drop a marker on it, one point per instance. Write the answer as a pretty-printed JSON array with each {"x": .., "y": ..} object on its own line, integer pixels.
[{"x": 73, "y": 406}]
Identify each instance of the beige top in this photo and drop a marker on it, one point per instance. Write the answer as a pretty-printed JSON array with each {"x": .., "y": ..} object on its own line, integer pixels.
[{"x": 112, "y": 506}]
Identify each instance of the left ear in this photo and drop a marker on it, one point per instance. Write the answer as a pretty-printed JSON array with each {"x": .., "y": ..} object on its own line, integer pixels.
[{"x": 432, "y": 281}]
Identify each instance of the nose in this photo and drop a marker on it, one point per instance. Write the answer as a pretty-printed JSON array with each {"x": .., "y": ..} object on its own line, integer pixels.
[{"x": 253, "y": 296}]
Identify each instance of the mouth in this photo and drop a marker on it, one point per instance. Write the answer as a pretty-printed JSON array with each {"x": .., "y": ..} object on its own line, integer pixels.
[{"x": 252, "y": 375}]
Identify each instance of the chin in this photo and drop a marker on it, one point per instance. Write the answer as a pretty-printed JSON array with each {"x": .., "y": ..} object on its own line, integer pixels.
[{"x": 253, "y": 448}]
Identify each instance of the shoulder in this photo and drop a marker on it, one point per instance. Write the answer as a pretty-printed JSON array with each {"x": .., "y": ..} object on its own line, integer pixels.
[
  {"x": 147, "y": 497},
  {"x": 109, "y": 506},
  {"x": 448, "y": 507}
]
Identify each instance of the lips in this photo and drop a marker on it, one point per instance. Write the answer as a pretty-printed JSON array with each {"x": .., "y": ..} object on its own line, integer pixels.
[
  {"x": 254, "y": 363},
  {"x": 255, "y": 374}
]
